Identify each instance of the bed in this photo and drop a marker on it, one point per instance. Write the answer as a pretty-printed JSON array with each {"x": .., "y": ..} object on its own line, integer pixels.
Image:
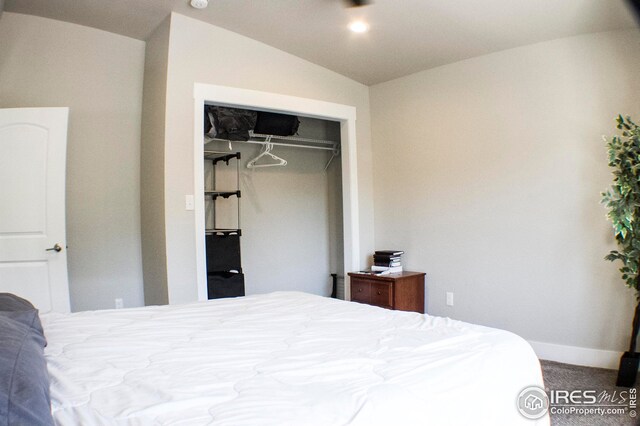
[{"x": 284, "y": 358}]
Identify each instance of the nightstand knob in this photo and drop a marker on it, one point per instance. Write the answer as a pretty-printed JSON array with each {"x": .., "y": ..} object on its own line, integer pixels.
[
  {"x": 360, "y": 289},
  {"x": 379, "y": 292}
]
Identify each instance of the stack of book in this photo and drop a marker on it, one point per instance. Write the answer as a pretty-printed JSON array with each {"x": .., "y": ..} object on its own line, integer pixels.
[{"x": 387, "y": 261}]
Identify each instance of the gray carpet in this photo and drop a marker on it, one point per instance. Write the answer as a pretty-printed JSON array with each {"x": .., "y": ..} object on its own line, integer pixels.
[{"x": 559, "y": 376}]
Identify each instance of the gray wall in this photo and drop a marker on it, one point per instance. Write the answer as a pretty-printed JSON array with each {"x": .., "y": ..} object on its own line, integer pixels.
[
  {"x": 494, "y": 188},
  {"x": 154, "y": 254},
  {"x": 290, "y": 215},
  {"x": 46, "y": 63},
  {"x": 200, "y": 52}
]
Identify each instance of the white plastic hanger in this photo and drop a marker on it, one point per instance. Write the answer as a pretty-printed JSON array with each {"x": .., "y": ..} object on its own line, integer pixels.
[{"x": 266, "y": 152}]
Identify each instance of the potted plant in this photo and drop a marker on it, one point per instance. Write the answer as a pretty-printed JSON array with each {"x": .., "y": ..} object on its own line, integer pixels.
[{"x": 622, "y": 200}]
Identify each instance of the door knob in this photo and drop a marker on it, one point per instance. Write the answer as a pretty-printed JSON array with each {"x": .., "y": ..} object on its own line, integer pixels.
[{"x": 57, "y": 248}]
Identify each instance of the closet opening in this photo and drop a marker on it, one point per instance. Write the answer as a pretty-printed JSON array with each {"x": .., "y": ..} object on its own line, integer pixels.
[
  {"x": 273, "y": 202},
  {"x": 291, "y": 199}
]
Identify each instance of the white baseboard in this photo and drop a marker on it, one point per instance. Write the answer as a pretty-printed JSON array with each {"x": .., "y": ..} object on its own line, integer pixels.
[{"x": 577, "y": 355}]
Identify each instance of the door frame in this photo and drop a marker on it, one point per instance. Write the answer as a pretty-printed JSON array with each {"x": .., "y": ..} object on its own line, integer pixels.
[{"x": 253, "y": 99}]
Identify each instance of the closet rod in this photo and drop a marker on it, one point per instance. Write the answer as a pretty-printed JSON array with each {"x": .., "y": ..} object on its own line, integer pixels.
[
  {"x": 326, "y": 148},
  {"x": 293, "y": 138},
  {"x": 333, "y": 147}
]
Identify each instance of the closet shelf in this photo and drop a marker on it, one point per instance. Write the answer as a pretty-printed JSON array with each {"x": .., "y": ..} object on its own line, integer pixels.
[{"x": 224, "y": 194}]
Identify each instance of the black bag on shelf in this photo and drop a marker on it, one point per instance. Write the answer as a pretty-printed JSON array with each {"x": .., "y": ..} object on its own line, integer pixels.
[
  {"x": 229, "y": 123},
  {"x": 271, "y": 123},
  {"x": 225, "y": 284}
]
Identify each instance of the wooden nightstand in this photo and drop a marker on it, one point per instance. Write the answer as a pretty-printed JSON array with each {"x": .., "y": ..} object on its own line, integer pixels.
[{"x": 402, "y": 292}]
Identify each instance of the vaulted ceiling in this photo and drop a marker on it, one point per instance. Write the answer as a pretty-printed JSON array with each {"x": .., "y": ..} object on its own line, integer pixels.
[{"x": 405, "y": 36}]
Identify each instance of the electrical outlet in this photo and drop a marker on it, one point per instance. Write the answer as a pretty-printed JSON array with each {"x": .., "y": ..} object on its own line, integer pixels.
[
  {"x": 119, "y": 303},
  {"x": 449, "y": 298}
]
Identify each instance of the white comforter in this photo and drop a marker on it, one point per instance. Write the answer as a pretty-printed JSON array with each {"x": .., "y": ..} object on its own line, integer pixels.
[{"x": 283, "y": 359}]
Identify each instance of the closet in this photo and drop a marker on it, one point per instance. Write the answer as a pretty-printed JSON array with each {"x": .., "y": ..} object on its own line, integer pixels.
[{"x": 273, "y": 210}]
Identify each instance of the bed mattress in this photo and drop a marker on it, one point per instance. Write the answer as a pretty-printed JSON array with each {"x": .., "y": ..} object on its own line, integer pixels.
[{"x": 283, "y": 358}]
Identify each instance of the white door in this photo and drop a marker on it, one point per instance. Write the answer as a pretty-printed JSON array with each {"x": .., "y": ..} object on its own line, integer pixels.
[{"x": 33, "y": 255}]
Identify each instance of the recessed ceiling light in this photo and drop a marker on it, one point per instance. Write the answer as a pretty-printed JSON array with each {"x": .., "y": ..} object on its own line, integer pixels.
[
  {"x": 359, "y": 27},
  {"x": 199, "y": 4}
]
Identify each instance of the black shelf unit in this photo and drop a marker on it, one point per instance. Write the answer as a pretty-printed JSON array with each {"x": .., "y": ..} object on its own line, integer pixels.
[{"x": 224, "y": 265}]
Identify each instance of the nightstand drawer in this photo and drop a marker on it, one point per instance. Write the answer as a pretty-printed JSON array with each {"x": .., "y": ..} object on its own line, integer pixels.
[
  {"x": 381, "y": 295},
  {"x": 360, "y": 291},
  {"x": 403, "y": 291}
]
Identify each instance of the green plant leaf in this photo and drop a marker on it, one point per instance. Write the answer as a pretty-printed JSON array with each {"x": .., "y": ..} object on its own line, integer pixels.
[{"x": 622, "y": 198}]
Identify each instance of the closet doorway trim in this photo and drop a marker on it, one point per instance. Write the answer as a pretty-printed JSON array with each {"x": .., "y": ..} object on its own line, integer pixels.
[{"x": 253, "y": 99}]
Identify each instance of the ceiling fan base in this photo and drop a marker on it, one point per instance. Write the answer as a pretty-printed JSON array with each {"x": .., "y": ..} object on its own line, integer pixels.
[{"x": 358, "y": 3}]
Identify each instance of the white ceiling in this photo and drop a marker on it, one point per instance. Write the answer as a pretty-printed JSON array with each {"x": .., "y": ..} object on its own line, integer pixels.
[{"x": 406, "y": 36}]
